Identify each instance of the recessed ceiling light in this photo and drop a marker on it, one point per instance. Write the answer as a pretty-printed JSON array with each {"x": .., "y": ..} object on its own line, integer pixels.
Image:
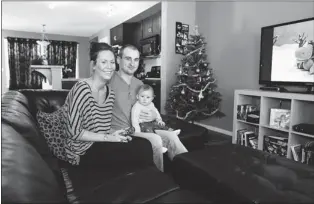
[{"x": 53, "y": 5}]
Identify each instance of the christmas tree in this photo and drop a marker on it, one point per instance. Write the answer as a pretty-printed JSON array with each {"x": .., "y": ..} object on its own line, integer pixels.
[{"x": 193, "y": 97}]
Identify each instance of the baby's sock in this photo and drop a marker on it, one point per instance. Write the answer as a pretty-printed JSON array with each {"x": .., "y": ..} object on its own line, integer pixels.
[{"x": 177, "y": 131}]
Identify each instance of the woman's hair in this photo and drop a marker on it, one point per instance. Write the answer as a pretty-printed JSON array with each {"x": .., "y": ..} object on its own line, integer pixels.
[{"x": 97, "y": 47}]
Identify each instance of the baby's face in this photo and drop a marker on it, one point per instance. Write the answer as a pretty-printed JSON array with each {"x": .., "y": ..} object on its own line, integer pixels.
[{"x": 145, "y": 97}]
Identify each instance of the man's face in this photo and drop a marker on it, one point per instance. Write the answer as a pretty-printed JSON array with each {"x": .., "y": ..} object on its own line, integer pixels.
[{"x": 129, "y": 61}]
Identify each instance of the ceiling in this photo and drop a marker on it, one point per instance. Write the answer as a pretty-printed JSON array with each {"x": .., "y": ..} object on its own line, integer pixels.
[{"x": 76, "y": 18}]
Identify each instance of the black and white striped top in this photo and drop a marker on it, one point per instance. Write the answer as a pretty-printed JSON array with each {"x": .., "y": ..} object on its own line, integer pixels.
[{"x": 83, "y": 112}]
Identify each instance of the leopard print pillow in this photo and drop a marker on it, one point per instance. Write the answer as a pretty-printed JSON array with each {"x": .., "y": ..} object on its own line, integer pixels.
[{"x": 52, "y": 127}]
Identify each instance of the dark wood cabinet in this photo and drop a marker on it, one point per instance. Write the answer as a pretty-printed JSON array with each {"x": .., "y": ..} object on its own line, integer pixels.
[
  {"x": 137, "y": 35},
  {"x": 152, "y": 25},
  {"x": 147, "y": 27},
  {"x": 125, "y": 33},
  {"x": 157, "y": 24},
  {"x": 116, "y": 34}
]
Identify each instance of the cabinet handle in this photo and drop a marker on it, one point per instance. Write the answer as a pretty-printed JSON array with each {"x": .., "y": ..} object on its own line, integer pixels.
[
  {"x": 149, "y": 30},
  {"x": 114, "y": 38}
]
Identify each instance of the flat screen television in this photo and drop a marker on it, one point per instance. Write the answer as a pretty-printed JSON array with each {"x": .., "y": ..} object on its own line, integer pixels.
[{"x": 287, "y": 54}]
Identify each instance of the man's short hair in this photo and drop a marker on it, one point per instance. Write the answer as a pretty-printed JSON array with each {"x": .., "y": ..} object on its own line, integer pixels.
[{"x": 132, "y": 47}]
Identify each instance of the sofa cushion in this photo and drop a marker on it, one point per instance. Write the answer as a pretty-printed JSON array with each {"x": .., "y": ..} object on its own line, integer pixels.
[
  {"x": 52, "y": 127},
  {"x": 15, "y": 111},
  {"x": 25, "y": 176},
  {"x": 43, "y": 100},
  {"x": 139, "y": 186},
  {"x": 181, "y": 196},
  {"x": 245, "y": 175}
]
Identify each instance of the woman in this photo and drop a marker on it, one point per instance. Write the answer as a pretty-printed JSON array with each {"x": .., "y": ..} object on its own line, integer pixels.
[{"x": 88, "y": 109}]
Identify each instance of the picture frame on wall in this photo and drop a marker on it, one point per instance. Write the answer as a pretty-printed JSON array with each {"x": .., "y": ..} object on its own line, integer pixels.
[{"x": 182, "y": 36}]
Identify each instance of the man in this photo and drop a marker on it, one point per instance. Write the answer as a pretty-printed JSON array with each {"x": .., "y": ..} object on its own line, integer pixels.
[{"x": 125, "y": 86}]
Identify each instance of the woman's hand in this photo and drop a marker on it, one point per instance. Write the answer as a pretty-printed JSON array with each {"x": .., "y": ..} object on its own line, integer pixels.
[
  {"x": 117, "y": 137},
  {"x": 147, "y": 115}
]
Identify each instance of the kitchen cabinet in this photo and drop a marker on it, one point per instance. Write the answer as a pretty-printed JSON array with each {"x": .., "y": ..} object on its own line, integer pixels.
[
  {"x": 157, "y": 24},
  {"x": 125, "y": 33},
  {"x": 147, "y": 24},
  {"x": 152, "y": 25}
]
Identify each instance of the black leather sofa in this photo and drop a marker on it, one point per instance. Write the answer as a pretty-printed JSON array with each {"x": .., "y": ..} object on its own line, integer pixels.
[
  {"x": 30, "y": 174},
  {"x": 231, "y": 173}
]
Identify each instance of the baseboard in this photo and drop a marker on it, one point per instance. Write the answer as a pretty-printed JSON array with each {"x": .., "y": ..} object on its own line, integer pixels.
[{"x": 215, "y": 129}]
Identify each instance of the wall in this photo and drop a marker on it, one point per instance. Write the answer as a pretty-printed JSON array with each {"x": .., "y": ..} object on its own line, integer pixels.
[
  {"x": 103, "y": 35},
  {"x": 232, "y": 32},
  {"x": 83, "y": 48},
  {"x": 171, "y": 12}
]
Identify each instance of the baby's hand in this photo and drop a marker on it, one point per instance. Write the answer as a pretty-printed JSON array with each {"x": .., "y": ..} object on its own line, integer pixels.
[{"x": 162, "y": 123}]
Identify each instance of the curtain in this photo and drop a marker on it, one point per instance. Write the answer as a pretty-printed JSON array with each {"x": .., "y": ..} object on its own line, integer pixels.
[
  {"x": 21, "y": 52},
  {"x": 63, "y": 53}
]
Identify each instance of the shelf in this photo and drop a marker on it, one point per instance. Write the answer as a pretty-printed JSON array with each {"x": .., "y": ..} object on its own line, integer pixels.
[
  {"x": 243, "y": 121},
  {"x": 301, "y": 108},
  {"x": 155, "y": 79},
  {"x": 303, "y": 134},
  {"x": 150, "y": 57},
  {"x": 69, "y": 79},
  {"x": 274, "y": 128}
]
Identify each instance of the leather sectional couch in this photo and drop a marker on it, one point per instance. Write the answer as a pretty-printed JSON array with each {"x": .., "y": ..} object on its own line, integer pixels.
[{"x": 30, "y": 174}]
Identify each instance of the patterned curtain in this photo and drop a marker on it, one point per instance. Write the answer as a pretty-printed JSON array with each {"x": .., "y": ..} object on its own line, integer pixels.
[
  {"x": 63, "y": 53},
  {"x": 21, "y": 52}
]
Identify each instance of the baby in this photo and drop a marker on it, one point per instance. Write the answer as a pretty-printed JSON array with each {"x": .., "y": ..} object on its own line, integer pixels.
[{"x": 145, "y": 97}]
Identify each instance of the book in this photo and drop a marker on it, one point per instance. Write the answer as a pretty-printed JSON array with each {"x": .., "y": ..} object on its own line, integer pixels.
[
  {"x": 279, "y": 118},
  {"x": 296, "y": 152},
  {"x": 240, "y": 135}
]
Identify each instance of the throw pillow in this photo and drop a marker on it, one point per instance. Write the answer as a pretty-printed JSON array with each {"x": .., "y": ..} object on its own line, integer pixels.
[{"x": 52, "y": 126}]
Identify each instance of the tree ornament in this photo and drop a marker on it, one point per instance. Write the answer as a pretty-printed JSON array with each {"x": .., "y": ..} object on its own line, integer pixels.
[
  {"x": 200, "y": 96},
  {"x": 199, "y": 79},
  {"x": 192, "y": 100},
  {"x": 180, "y": 72},
  {"x": 197, "y": 70},
  {"x": 183, "y": 92},
  {"x": 200, "y": 52},
  {"x": 186, "y": 64},
  {"x": 207, "y": 73}
]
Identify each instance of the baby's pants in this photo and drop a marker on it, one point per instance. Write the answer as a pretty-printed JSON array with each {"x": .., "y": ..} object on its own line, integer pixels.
[{"x": 168, "y": 139}]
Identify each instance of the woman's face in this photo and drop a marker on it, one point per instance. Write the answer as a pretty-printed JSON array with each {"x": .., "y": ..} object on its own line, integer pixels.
[{"x": 105, "y": 65}]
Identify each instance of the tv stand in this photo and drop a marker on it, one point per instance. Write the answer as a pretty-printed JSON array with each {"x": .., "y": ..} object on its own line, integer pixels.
[
  {"x": 309, "y": 89},
  {"x": 274, "y": 88}
]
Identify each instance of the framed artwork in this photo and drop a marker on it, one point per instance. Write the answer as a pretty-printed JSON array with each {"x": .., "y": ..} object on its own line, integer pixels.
[{"x": 182, "y": 36}]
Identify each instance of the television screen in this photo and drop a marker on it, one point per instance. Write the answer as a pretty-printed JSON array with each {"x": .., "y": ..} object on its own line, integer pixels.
[{"x": 287, "y": 53}]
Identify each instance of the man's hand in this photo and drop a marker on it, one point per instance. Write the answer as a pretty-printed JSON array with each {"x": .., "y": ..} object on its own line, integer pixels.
[{"x": 148, "y": 116}]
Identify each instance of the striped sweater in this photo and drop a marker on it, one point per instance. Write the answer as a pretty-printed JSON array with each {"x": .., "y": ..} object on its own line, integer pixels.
[{"x": 82, "y": 112}]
